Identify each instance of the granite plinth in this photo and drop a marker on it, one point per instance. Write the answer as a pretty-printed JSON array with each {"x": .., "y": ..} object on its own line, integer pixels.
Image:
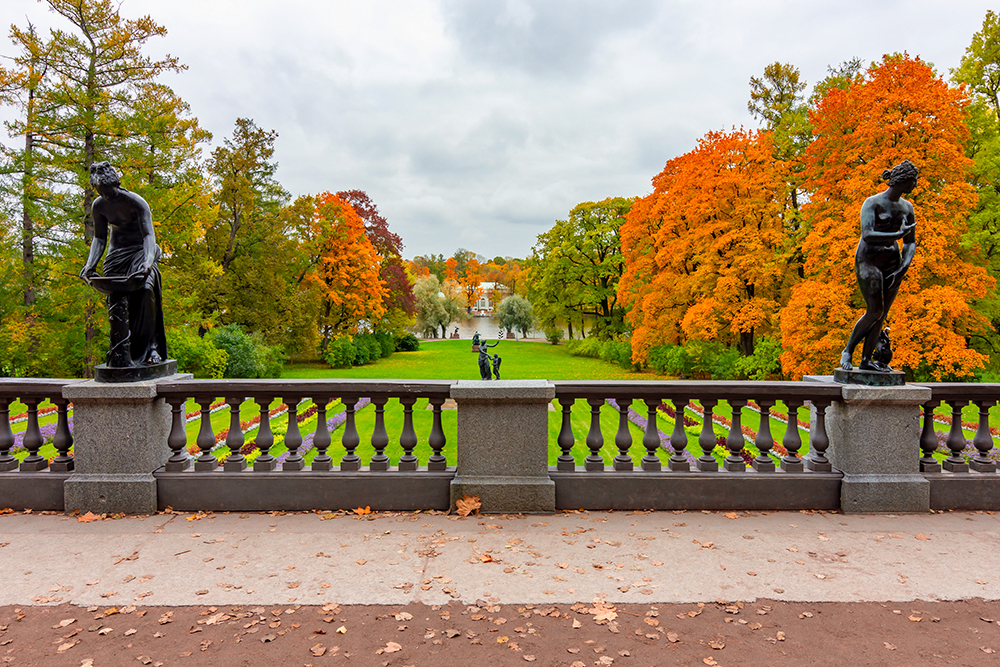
[
  {"x": 503, "y": 445},
  {"x": 870, "y": 378},
  {"x": 875, "y": 441},
  {"x": 120, "y": 437},
  {"x": 110, "y": 374}
]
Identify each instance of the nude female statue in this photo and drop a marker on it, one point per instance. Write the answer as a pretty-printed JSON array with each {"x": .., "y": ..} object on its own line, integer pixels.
[
  {"x": 123, "y": 226},
  {"x": 879, "y": 264}
]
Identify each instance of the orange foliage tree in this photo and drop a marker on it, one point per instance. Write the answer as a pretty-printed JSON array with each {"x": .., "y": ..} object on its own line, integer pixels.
[
  {"x": 897, "y": 109},
  {"x": 707, "y": 254},
  {"x": 472, "y": 281},
  {"x": 345, "y": 269}
]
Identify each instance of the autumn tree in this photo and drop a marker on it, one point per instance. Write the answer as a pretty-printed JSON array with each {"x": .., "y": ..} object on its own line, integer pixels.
[
  {"x": 515, "y": 312},
  {"x": 346, "y": 273},
  {"x": 398, "y": 301},
  {"x": 896, "y": 109},
  {"x": 438, "y": 305},
  {"x": 979, "y": 72},
  {"x": 471, "y": 281},
  {"x": 577, "y": 264},
  {"x": 710, "y": 253}
]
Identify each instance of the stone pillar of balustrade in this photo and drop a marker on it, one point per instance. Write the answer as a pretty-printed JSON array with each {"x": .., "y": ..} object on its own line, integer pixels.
[
  {"x": 874, "y": 437},
  {"x": 503, "y": 454},
  {"x": 119, "y": 438}
]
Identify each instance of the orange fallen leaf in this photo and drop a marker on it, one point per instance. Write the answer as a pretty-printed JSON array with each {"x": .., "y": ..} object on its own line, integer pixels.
[
  {"x": 88, "y": 517},
  {"x": 921, "y": 536},
  {"x": 392, "y": 647},
  {"x": 467, "y": 505},
  {"x": 361, "y": 511}
]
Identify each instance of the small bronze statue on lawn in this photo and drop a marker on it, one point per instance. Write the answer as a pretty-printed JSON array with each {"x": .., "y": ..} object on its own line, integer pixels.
[
  {"x": 880, "y": 265},
  {"x": 484, "y": 360},
  {"x": 131, "y": 281},
  {"x": 496, "y": 366}
]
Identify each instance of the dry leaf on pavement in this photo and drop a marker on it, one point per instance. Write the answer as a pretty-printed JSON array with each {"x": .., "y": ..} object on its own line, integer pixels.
[{"x": 467, "y": 505}]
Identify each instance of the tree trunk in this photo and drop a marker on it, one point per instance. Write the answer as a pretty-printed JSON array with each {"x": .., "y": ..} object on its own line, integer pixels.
[
  {"x": 746, "y": 343},
  {"x": 90, "y": 332},
  {"x": 27, "y": 224},
  {"x": 569, "y": 326}
]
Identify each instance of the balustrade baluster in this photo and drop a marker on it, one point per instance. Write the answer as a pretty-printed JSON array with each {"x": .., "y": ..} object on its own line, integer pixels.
[
  {"x": 33, "y": 440},
  {"x": 235, "y": 462},
  {"x": 623, "y": 438},
  {"x": 408, "y": 438},
  {"x": 983, "y": 440},
  {"x": 206, "y": 437},
  {"x": 956, "y": 439},
  {"x": 679, "y": 439},
  {"x": 7, "y": 460},
  {"x": 651, "y": 438},
  {"x": 177, "y": 440},
  {"x": 265, "y": 439},
  {"x": 566, "y": 439},
  {"x": 734, "y": 440},
  {"x": 792, "y": 442},
  {"x": 818, "y": 441},
  {"x": 380, "y": 439},
  {"x": 436, "y": 440},
  {"x": 293, "y": 437},
  {"x": 321, "y": 437},
  {"x": 928, "y": 440},
  {"x": 63, "y": 439},
  {"x": 707, "y": 440},
  {"x": 762, "y": 462},
  {"x": 351, "y": 439},
  {"x": 595, "y": 440}
]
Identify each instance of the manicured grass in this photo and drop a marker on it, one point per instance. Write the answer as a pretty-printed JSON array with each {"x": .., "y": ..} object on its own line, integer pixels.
[{"x": 454, "y": 360}]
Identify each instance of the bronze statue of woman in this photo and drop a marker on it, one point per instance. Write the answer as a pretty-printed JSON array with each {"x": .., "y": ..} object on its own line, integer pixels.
[{"x": 879, "y": 263}]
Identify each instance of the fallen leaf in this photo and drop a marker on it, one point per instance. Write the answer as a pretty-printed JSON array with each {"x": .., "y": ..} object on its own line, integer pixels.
[
  {"x": 915, "y": 619},
  {"x": 318, "y": 650},
  {"x": 709, "y": 661},
  {"x": 361, "y": 561},
  {"x": 731, "y": 515},
  {"x": 672, "y": 637},
  {"x": 88, "y": 517},
  {"x": 342, "y": 630},
  {"x": 67, "y": 646},
  {"x": 717, "y": 644},
  {"x": 921, "y": 536},
  {"x": 891, "y": 647},
  {"x": 467, "y": 505},
  {"x": 780, "y": 636},
  {"x": 502, "y": 640},
  {"x": 361, "y": 511},
  {"x": 63, "y": 623},
  {"x": 528, "y": 658},
  {"x": 268, "y": 638}
]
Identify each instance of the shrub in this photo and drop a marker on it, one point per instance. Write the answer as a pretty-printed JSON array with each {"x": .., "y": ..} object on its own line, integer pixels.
[
  {"x": 553, "y": 334},
  {"x": 670, "y": 360},
  {"x": 764, "y": 363},
  {"x": 241, "y": 361},
  {"x": 340, "y": 353},
  {"x": 247, "y": 356},
  {"x": 195, "y": 354},
  {"x": 367, "y": 349},
  {"x": 386, "y": 342},
  {"x": 407, "y": 343}
]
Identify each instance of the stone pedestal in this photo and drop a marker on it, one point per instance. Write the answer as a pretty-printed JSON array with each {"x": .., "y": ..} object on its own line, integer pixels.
[
  {"x": 503, "y": 431},
  {"x": 875, "y": 441},
  {"x": 120, "y": 437}
]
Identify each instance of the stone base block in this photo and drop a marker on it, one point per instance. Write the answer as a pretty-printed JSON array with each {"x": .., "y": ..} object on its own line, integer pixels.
[
  {"x": 507, "y": 494},
  {"x": 879, "y": 494},
  {"x": 128, "y": 493}
]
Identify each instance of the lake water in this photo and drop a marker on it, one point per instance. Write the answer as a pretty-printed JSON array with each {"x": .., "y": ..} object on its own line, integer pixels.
[{"x": 487, "y": 328}]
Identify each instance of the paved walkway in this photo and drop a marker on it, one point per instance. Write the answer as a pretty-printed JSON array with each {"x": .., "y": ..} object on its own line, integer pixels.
[{"x": 308, "y": 558}]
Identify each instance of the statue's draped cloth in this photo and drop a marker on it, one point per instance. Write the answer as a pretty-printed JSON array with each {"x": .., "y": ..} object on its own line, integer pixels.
[{"x": 145, "y": 305}]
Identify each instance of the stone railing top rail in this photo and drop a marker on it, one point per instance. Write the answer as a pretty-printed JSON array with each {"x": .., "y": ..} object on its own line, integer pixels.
[{"x": 34, "y": 387}]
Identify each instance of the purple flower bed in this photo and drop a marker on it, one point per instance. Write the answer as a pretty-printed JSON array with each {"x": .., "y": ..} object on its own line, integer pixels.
[
  {"x": 332, "y": 424},
  {"x": 642, "y": 423},
  {"x": 48, "y": 433},
  {"x": 968, "y": 453}
]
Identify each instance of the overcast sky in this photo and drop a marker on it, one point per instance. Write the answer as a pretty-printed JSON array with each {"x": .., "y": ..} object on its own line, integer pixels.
[{"x": 477, "y": 124}]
